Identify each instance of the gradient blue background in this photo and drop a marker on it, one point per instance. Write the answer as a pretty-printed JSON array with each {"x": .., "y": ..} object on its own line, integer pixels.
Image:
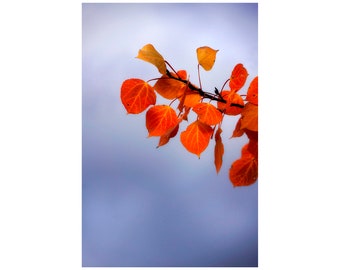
[{"x": 143, "y": 206}]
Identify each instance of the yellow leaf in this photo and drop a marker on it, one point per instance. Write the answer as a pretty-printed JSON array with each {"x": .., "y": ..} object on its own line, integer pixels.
[
  {"x": 149, "y": 54},
  {"x": 206, "y": 57}
]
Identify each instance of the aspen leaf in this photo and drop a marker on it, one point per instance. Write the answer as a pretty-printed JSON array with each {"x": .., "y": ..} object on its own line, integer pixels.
[
  {"x": 206, "y": 57},
  {"x": 249, "y": 119},
  {"x": 170, "y": 133},
  {"x": 238, "y": 77},
  {"x": 149, "y": 54},
  {"x": 219, "y": 150},
  {"x": 207, "y": 113},
  {"x": 238, "y": 132},
  {"x": 191, "y": 99},
  {"x": 196, "y": 137},
  {"x": 252, "y": 94},
  {"x": 232, "y": 98},
  {"x": 159, "y": 119},
  {"x": 136, "y": 95},
  {"x": 243, "y": 172},
  {"x": 169, "y": 88}
]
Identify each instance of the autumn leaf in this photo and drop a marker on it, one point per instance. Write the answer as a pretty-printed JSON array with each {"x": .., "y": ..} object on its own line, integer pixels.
[
  {"x": 206, "y": 57},
  {"x": 219, "y": 150},
  {"x": 136, "y": 95},
  {"x": 196, "y": 137},
  {"x": 238, "y": 77},
  {"x": 169, "y": 88},
  {"x": 249, "y": 119},
  {"x": 238, "y": 132},
  {"x": 232, "y": 99},
  {"x": 207, "y": 113},
  {"x": 149, "y": 54},
  {"x": 159, "y": 119},
  {"x": 164, "y": 139},
  {"x": 243, "y": 172},
  {"x": 252, "y": 94}
]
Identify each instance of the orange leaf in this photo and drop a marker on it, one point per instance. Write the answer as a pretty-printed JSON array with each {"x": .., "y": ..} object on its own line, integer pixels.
[
  {"x": 159, "y": 119},
  {"x": 207, "y": 113},
  {"x": 206, "y": 57},
  {"x": 238, "y": 132},
  {"x": 238, "y": 77},
  {"x": 136, "y": 95},
  {"x": 164, "y": 139},
  {"x": 249, "y": 118},
  {"x": 232, "y": 98},
  {"x": 149, "y": 54},
  {"x": 252, "y": 94},
  {"x": 169, "y": 88},
  {"x": 243, "y": 172},
  {"x": 196, "y": 137},
  {"x": 219, "y": 150},
  {"x": 191, "y": 99}
]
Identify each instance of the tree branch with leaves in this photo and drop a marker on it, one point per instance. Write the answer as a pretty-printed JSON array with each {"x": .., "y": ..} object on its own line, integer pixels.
[{"x": 163, "y": 120}]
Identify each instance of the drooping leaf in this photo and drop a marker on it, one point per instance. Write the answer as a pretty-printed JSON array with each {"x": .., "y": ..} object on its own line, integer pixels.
[
  {"x": 252, "y": 94},
  {"x": 219, "y": 150},
  {"x": 149, "y": 54},
  {"x": 196, "y": 137},
  {"x": 136, "y": 95},
  {"x": 169, "y": 88},
  {"x": 159, "y": 119},
  {"x": 238, "y": 132},
  {"x": 243, "y": 172},
  {"x": 206, "y": 57},
  {"x": 238, "y": 77},
  {"x": 208, "y": 113},
  {"x": 234, "y": 103},
  {"x": 164, "y": 139},
  {"x": 249, "y": 119}
]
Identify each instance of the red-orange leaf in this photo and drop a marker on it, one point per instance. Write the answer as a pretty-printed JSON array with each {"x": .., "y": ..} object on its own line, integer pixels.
[
  {"x": 219, "y": 150},
  {"x": 207, "y": 113},
  {"x": 238, "y": 132},
  {"x": 169, "y": 88},
  {"x": 243, "y": 172},
  {"x": 206, "y": 57},
  {"x": 232, "y": 99},
  {"x": 196, "y": 137},
  {"x": 149, "y": 54},
  {"x": 238, "y": 77},
  {"x": 252, "y": 94},
  {"x": 136, "y": 95},
  {"x": 159, "y": 119},
  {"x": 164, "y": 139},
  {"x": 249, "y": 118}
]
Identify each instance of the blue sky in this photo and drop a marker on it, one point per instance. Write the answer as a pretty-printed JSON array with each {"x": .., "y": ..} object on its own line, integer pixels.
[{"x": 144, "y": 206}]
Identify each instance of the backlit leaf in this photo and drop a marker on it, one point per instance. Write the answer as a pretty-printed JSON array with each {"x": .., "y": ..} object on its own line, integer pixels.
[
  {"x": 169, "y": 88},
  {"x": 252, "y": 94},
  {"x": 196, "y": 137},
  {"x": 159, "y": 119},
  {"x": 149, "y": 54},
  {"x": 243, "y": 172},
  {"x": 238, "y": 77},
  {"x": 238, "y": 132},
  {"x": 207, "y": 113},
  {"x": 249, "y": 119},
  {"x": 164, "y": 139},
  {"x": 136, "y": 95},
  {"x": 219, "y": 150},
  {"x": 206, "y": 57},
  {"x": 232, "y": 99}
]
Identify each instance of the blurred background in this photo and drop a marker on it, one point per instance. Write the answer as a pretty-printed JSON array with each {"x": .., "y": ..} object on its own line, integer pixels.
[{"x": 143, "y": 206}]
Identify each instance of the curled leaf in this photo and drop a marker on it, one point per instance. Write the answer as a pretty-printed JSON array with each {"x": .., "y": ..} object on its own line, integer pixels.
[
  {"x": 159, "y": 119},
  {"x": 149, "y": 54},
  {"x": 219, "y": 150},
  {"x": 136, "y": 95},
  {"x": 206, "y": 57},
  {"x": 196, "y": 137}
]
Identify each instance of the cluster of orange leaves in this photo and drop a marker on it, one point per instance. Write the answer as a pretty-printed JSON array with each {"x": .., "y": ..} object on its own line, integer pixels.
[{"x": 163, "y": 121}]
